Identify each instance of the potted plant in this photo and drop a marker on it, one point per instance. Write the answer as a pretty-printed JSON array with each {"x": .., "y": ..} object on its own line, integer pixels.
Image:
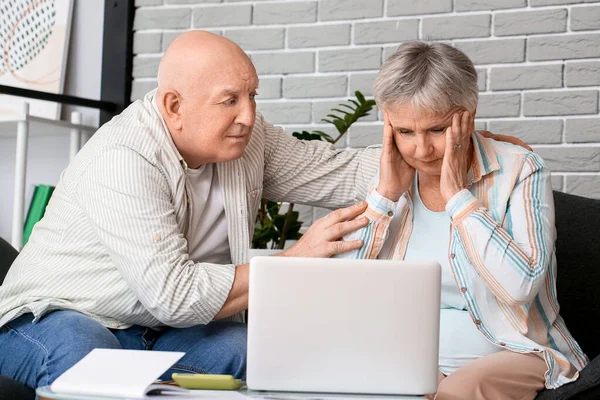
[{"x": 272, "y": 229}]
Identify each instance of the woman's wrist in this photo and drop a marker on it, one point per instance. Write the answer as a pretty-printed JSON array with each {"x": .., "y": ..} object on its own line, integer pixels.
[{"x": 390, "y": 195}]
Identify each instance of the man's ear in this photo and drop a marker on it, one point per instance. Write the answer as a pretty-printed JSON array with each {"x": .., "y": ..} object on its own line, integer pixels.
[{"x": 172, "y": 108}]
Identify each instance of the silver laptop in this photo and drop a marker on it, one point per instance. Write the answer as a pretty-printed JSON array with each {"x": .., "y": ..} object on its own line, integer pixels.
[{"x": 343, "y": 326}]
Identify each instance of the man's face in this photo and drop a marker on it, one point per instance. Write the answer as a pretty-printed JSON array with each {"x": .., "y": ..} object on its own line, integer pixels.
[{"x": 218, "y": 115}]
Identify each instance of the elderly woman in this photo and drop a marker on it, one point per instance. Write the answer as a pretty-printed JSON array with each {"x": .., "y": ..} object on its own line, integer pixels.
[{"x": 484, "y": 210}]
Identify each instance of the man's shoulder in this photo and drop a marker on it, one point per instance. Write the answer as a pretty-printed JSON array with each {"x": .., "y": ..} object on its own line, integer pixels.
[
  {"x": 134, "y": 134},
  {"x": 137, "y": 128}
]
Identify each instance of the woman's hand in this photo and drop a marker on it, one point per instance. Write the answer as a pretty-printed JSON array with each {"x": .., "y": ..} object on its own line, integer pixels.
[
  {"x": 456, "y": 155},
  {"x": 322, "y": 239},
  {"x": 395, "y": 175}
]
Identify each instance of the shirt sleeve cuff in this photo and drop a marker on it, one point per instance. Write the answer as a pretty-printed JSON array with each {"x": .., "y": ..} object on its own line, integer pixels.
[
  {"x": 215, "y": 290},
  {"x": 461, "y": 205},
  {"x": 380, "y": 207}
]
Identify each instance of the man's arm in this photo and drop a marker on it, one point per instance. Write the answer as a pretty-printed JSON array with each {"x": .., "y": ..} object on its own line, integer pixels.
[
  {"x": 313, "y": 172},
  {"x": 321, "y": 240},
  {"x": 128, "y": 203},
  {"x": 237, "y": 300}
]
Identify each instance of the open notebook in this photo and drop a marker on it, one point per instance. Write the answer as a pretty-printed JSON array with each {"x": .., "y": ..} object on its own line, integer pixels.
[{"x": 118, "y": 373}]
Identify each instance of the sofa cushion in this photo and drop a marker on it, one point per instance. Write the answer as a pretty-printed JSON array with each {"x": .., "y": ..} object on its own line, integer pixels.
[
  {"x": 578, "y": 264},
  {"x": 578, "y": 277},
  {"x": 13, "y": 390},
  {"x": 7, "y": 256},
  {"x": 587, "y": 387}
]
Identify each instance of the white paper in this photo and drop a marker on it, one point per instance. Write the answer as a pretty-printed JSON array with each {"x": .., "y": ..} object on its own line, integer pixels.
[
  {"x": 112, "y": 372},
  {"x": 203, "y": 394}
]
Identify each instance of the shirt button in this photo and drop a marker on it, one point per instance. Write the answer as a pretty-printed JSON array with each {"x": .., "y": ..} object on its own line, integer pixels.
[
  {"x": 536, "y": 349},
  {"x": 390, "y": 213},
  {"x": 156, "y": 238},
  {"x": 452, "y": 255},
  {"x": 478, "y": 322},
  {"x": 502, "y": 344},
  {"x": 463, "y": 289}
]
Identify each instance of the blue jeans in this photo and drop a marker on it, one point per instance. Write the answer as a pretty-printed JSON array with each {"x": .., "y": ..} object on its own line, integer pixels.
[{"x": 37, "y": 353}]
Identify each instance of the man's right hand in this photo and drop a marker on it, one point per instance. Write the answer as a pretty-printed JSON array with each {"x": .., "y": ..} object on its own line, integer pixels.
[{"x": 322, "y": 239}]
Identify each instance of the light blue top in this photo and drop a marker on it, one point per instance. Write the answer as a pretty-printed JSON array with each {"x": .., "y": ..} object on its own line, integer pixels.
[
  {"x": 429, "y": 241},
  {"x": 460, "y": 340}
]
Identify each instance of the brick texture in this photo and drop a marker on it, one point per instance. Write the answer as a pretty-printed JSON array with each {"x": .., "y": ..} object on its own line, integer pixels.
[{"x": 537, "y": 63}]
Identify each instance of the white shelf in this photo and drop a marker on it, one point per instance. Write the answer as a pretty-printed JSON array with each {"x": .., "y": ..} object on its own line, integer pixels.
[
  {"x": 42, "y": 127},
  {"x": 24, "y": 127}
]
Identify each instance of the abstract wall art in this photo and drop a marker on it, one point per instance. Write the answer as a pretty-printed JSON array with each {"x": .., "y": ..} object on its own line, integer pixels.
[{"x": 34, "y": 39}]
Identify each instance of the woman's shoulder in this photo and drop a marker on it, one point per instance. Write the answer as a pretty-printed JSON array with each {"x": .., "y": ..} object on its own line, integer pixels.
[{"x": 508, "y": 154}]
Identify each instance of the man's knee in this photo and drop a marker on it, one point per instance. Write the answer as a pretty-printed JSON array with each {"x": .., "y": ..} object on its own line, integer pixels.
[
  {"x": 235, "y": 340},
  {"x": 65, "y": 337},
  {"x": 78, "y": 335}
]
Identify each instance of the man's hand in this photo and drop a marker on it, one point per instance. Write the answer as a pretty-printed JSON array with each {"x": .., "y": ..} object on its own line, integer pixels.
[
  {"x": 322, "y": 238},
  {"x": 456, "y": 155},
  {"x": 505, "y": 138},
  {"x": 395, "y": 175}
]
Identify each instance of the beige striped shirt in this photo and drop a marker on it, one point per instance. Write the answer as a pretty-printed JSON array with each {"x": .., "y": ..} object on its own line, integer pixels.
[{"x": 112, "y": 243}]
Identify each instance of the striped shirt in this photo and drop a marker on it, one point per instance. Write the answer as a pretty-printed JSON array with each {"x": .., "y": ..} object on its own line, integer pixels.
[
  {"x": 112, "y": 244},
  {"x": 501, "y": 253}
]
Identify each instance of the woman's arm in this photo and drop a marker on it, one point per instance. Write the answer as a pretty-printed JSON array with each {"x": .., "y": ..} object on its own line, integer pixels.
[
  {"x": 393, "y": 178},
  {"x": 511, "y": 258}
]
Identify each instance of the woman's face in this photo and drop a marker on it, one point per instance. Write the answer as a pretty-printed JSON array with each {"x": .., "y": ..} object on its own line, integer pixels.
[{"x": 420, "y": 136}]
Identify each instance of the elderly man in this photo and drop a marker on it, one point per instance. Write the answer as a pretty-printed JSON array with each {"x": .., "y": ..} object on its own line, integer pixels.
[{"x": 144, "y": 244}]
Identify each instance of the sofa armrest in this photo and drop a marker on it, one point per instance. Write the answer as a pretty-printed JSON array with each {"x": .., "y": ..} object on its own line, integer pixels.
[{"x": 587, "y": 387}]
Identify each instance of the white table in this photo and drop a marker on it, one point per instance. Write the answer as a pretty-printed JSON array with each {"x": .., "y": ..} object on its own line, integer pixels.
[{"x": 46, "y": 393}]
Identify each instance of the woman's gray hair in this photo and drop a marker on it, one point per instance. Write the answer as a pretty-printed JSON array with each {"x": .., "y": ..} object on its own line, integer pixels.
[{"x": 431, "y": 76}]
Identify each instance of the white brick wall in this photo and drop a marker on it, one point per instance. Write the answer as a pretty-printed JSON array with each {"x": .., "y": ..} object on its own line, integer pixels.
[{"x": 538, "y": 60}]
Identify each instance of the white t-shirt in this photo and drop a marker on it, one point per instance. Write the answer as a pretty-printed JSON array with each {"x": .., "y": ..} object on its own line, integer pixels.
[
  {"x": 207, "y": 236},
  {"x": 460, "y": 340}
]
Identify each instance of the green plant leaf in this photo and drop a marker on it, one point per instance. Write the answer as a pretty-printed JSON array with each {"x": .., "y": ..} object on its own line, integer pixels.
[
  {"x": 324, "y": 136},
  {"x": 341, "y": 111},
  {"x": 360, "y": 97},
  {"x": 347, "y": 106},
  {"x": 339, "y": 124}
]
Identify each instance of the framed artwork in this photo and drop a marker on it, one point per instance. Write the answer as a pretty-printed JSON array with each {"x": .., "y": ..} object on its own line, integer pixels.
[{"x": 34, "y": 35}]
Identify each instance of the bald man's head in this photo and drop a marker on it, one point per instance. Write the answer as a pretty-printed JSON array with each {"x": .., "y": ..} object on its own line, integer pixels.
[
  {"x": 195, "y": 55},
  {"x": 206, "y": 89}
]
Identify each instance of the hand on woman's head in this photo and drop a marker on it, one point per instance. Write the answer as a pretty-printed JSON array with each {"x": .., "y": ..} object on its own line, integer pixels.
[
  {"x": 457, "y": 154},
  {"x": 395, "y": 175}
]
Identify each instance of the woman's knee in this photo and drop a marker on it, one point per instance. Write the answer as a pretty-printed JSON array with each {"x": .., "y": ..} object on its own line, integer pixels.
[{"x": 462, "y": 387}]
